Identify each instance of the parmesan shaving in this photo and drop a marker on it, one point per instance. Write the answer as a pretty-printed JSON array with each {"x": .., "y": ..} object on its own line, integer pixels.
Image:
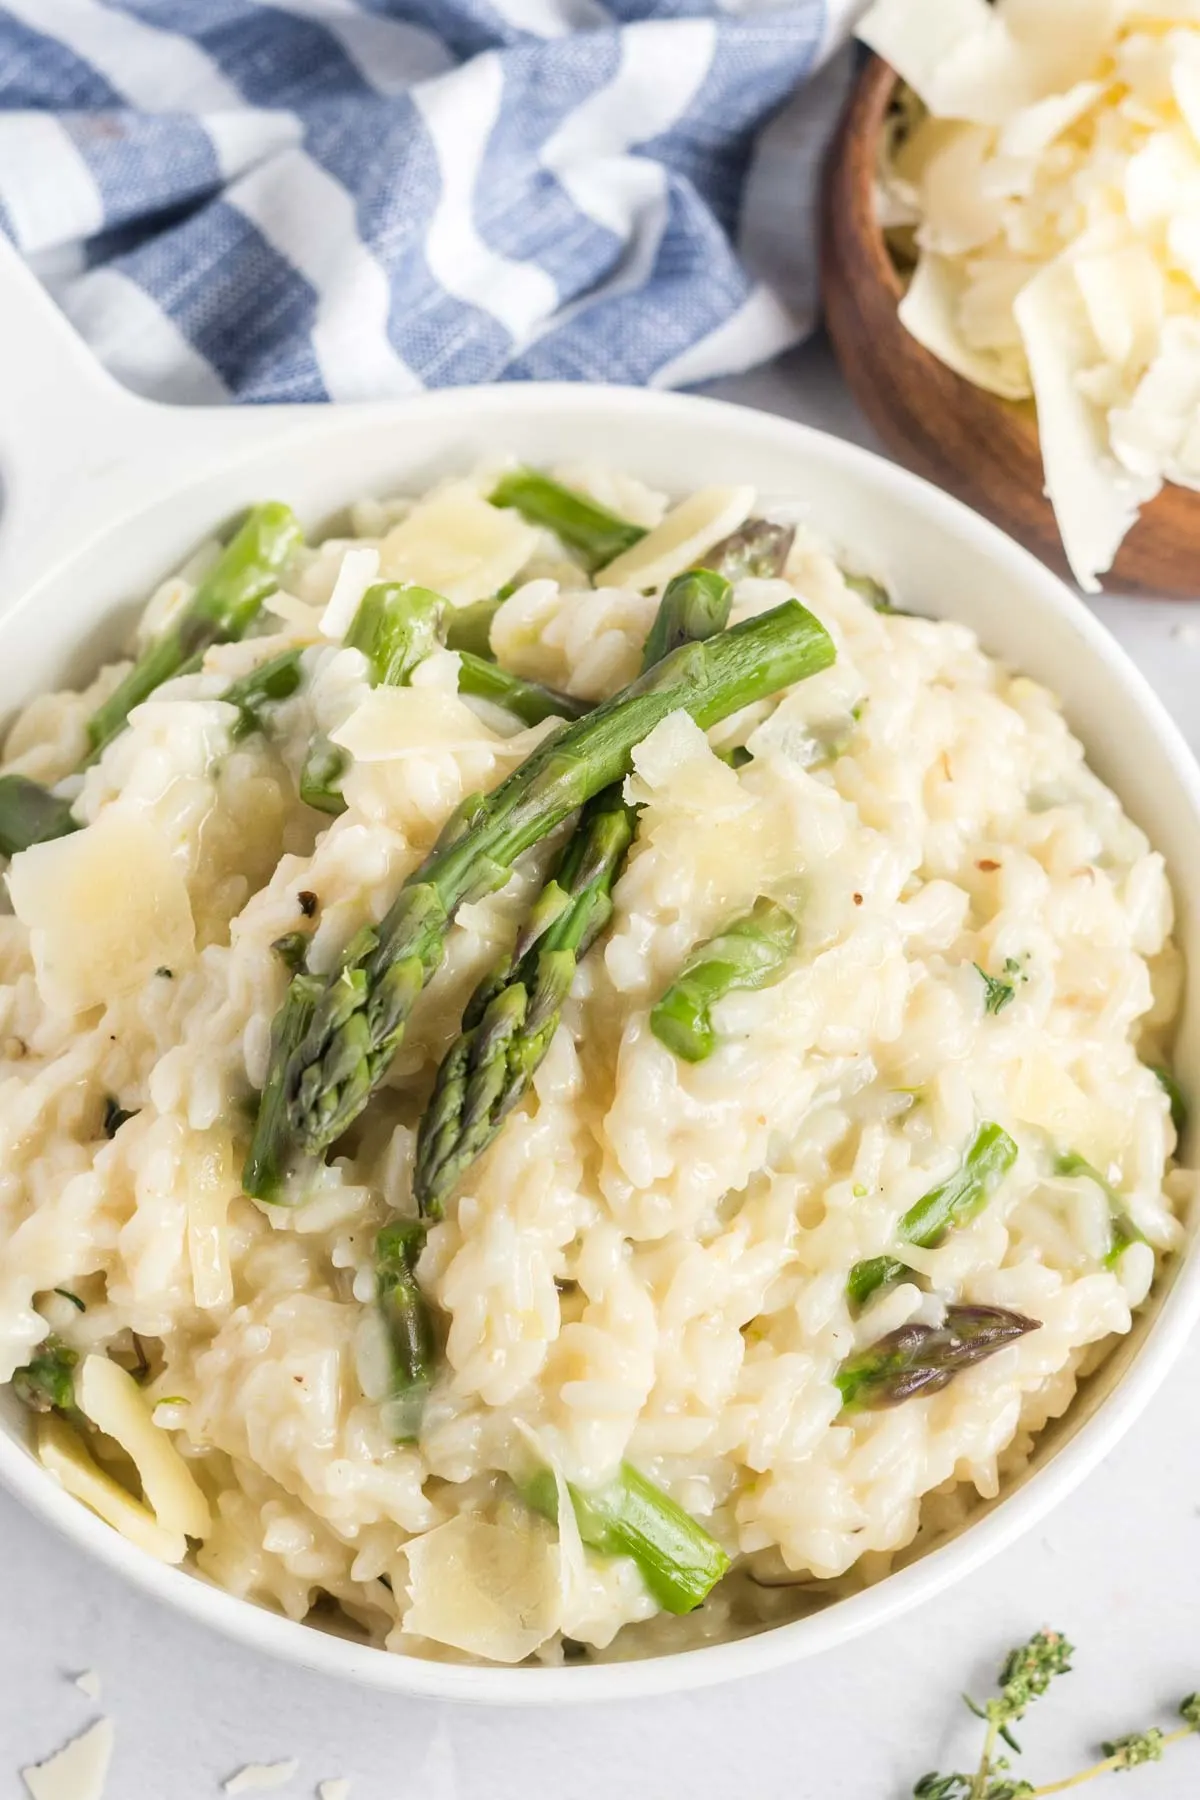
[
  {"x": 338, "y": 1789},
  {"x": 487, "y": 1589},
  {"x": 688, "y": 530},
  {"x": 358, "y": 570},
  {"x": 459, "y": 545},
  {"x": 89, "y": 1683},
  {"x": 1055, "y": 182},
  {"x": 259, "y": 1778},
  {"x": 62, "y": 1455},
  {"x": 78, "y": 1771},
  {"x": 105, "y": 907},
  {"x": 109, "y": 1396},
  {"x": 410, "y": 721},
  {"x": 210, "y": 1187}
]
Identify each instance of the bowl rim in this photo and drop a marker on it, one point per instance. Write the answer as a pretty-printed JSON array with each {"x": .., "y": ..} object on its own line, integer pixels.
[{"x": 1010, "y": 1516}]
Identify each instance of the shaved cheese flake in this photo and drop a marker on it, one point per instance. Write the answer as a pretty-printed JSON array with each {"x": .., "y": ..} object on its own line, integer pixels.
[
  {"x": 105, "y": 907},
  {"x": 1094, "y": 499},
  {"x": 1160, "y": 427},
  {"x": 491, "y": 1590},
  {"x": 304, "y": 619},
  {"x": 410, "y": 721},
  {"x": 1185, "y": 80},
  {"x": 78, "y": 1771},
  {"x": 211, "y": 1186},
  {"x": 61, "y": 1454},
  {"x": 929, "y": 311},
  {"x": 688, "y": 530},
  {"x": 89, "y": 1683},
  {"x": 1125, "y": 297},
  {"x": 338, "y": 1789},
  {"x": 358, "y": 570},
  {"x": 1034, "y": 128},
  {"x": 1162, "y": 180},
  {"x": 109, "y": 1396},
  {"x": 459, "y": 545},
  {"x": 260, "y": 1778},
  {"x": 957, "y": 214}
]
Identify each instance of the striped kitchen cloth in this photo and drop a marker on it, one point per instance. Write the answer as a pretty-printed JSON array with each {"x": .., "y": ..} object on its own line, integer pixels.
[{"x": 352, "y": 199}]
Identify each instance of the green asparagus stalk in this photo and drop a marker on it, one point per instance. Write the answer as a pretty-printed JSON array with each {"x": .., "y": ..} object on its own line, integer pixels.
[
  {"x": 694, "y": 606},
  {"x": 288, "y": 1031},
  {"x": 528, "y": 701},
  {"x": 921, "y": 1359},
  {"x": 46, "y": 1383},
  {"x": 409, "y": 1327},
  {"x": 513, "y": 1015},
  {"x": 470, "y": 627},
  {"x": 952, "y": 1203},
  {"x": 223, "y": 606},
  {"x": 758, "y": 548},
  {"x": 326, "y": 1079},
  {"x": 750, "y": 953},
  {"x": 276, "y": 679},
  {"x": 31, "y": 814},
  {"x": 511, "y": 1018},
  {"x": 678, "y": 1560},
  {"x": 1121, "y": 1229},
  {"x": 595, "y": 533},
  {"x": 396, "y": 627}
]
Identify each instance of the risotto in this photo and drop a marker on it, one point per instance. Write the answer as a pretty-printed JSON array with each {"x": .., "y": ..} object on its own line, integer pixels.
[{"x": 515, "y": 1232}]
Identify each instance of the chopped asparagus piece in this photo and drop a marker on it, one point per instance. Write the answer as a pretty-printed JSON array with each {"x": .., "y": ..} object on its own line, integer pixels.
[
  {"x": 867, "y": 1278},
  {"x": 287, "y": 1034},
  {"x": 952, "y": 1203},
  {"x": 525, "y": 700},
  {"x": 322, "y": 776},
  {"x": 223, "y": 606},
  {"x": 678, "y": 1560},
  {"x": 470, "y": 627},
  {"x": 759, "y": 549},
  {"x": 46, "y": 1383},
  {"x": 513, "y": 1015},
  {"x": 409, "y": 1327},
  {"x": 870, "y": 590},
  {"x": 396, "y": 627},
  {"x": 292, "y": 950},
  {"x": 276, "y": 679},
  {"x": 31, "y": 814},
  {"x": 750, "y": 953},
  {"x": 694, "y": 606},
  {"x": 595, "y": 533},
  {"x": 320, "y": 1083},
  {"x": 1122, "y": 1230},
  {"x": 920, "y": 1359}
]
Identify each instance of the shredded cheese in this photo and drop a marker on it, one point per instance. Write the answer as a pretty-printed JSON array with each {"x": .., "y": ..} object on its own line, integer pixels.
[{"x": 1054, "y": 185}]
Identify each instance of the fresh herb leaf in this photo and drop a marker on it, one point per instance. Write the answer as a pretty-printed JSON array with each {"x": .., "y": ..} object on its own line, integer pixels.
[
  {"x": 76, "y": 1302},
  {"x": 999, "y": 993}
]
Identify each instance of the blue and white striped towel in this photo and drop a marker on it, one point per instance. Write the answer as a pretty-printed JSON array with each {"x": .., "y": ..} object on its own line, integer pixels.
[{"x": 352, "y": 199}]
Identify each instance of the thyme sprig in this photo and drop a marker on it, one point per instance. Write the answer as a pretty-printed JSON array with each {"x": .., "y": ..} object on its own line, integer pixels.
[{"x": 1025, "y": 1676}]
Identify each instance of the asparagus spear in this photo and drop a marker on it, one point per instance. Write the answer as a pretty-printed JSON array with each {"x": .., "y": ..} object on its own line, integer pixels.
[
  {"x": 321, "y": 1084},
  {"x": 288, "y": 1030},
  {"x": 694, "y": 606},
  {"x": 1122, "y": 1230},
  {"x": 750, "y": 953},
  {"x": 597, "y": 534},
  {"x": 920, "y": 1359},
  {"x": 396, "y": 627},
  {"x": 759, "y": 548},
  {"x": 409, "y": 1326},
  {"x": 470, "y": 627},
  {"x": 679, "y": 1562},
  {"x": 528, "y": 701},
  {"x": 952, "y": 1203},
  {"x": 276, "y": 679},
  {"x": 223, "y": 606},
  {"x": 31, "y": 814},
  {"x": 512, "y": 1016},
  {"x": 47, "y": 1381}
]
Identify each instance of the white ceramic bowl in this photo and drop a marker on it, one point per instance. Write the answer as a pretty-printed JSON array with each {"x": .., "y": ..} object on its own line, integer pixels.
[{"x": 105, "y": 493}]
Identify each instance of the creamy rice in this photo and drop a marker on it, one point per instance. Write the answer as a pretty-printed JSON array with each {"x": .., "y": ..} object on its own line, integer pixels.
[{"x": 651, "y": 1261}]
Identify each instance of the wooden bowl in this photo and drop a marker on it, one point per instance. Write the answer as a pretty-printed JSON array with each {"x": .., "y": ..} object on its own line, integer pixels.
[{"x": 983, "y": 449}]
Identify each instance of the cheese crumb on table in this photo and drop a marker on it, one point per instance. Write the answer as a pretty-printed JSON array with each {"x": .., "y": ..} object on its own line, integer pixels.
[
  {"x": 77, "y": 1771},
  {"x": 257, "y": 1778}
]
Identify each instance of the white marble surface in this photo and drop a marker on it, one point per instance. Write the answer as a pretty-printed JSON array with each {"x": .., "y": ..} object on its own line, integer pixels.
[{"x": 1117, "y": 1568}]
